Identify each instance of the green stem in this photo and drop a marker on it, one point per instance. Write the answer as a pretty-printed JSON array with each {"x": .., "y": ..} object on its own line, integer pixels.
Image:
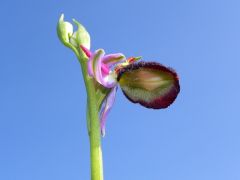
[{"x": 93, "y": 123}]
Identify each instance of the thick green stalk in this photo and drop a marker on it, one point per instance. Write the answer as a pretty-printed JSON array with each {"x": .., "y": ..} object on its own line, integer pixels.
[{"x": 93, "y": 122}]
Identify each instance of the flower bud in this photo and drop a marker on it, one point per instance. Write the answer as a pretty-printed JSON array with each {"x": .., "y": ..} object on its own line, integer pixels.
[
  {"x": 65, "y": 31},
  {"x": 80, "y": 37}
]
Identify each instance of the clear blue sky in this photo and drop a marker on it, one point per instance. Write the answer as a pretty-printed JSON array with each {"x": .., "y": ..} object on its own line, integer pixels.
[{"x": 43, "y": 132}]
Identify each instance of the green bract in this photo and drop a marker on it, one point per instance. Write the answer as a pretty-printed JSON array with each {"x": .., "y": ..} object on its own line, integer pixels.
[
  {"x": 64, "y": 30},
  {"x": 80, "y": 37}
]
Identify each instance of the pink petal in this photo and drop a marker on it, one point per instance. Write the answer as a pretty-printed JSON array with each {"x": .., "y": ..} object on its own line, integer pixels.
[
  {"x": 105, "y": 69},
  {"x": 106, "y": 108},
  {"x": 86, "y": 51},
  {"x": 95, "y": 58},
  {"x": 100, "y": 75},
  {"x": 112, "y": 59},
  {"x": 99, "y": 67}
]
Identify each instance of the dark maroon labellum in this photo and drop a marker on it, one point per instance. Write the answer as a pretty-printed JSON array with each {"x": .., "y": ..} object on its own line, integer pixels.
[{"x": 149, "y": 84}]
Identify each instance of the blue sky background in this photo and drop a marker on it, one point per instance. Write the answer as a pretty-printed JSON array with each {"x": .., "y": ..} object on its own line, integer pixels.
[{"x": 43, "y": 132}]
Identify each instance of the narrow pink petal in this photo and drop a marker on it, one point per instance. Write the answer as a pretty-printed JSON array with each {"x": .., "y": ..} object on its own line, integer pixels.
[
  {"x": 106, "y": 108},
  {"x": 97, "y": 67},
  {"x": 105, "y": 69},
  {"x": 86, "y": 51},
  {"x": 92, "y": 62},
  {"x": 90, "y": 56},
  {"x": 112, "y": 59}
]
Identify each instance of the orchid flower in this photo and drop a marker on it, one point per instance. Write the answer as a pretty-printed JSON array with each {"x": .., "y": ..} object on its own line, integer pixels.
[{"x": 150, "y": 84}]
